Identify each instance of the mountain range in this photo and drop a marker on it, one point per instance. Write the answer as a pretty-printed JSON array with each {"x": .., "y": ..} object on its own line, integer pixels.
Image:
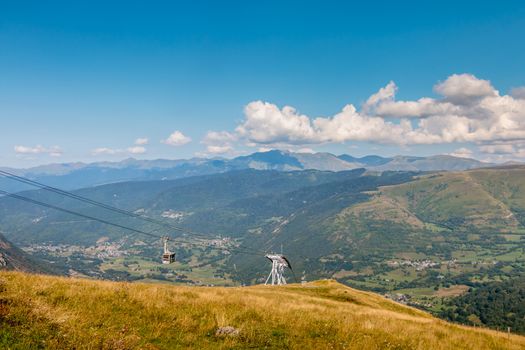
[{"x": 79, "y": 175}]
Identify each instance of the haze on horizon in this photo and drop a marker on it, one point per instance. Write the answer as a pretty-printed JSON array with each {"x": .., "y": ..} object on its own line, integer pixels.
[{"x": 90, "y": 81}]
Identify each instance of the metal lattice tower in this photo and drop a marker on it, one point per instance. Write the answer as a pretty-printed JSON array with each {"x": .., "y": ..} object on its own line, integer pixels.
[{"x": 279, "y": 263}]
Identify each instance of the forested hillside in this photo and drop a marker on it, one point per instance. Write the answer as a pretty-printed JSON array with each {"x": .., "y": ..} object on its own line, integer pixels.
[{"x": 497, "y": 305}]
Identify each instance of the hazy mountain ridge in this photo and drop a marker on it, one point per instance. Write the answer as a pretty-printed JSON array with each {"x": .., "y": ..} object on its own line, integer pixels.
[{"x": 79, "y": 175}]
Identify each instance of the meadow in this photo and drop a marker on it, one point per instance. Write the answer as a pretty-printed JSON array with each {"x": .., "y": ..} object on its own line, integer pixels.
[{"x": 38, "y": 311}]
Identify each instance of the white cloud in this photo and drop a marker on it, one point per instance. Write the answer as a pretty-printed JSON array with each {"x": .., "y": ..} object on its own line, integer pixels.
[
  {"x": 305, "y": 150},
  {"x": 470, "y": 110},
  {"x": 177, "y": 138},
  {"x": 504, "y": 149},
  {"x": 462, "y": 153},
  {"x": 136, "y": 150},
  {"x": 289, "y": 148},
  {"x": 218, "y": 136},
  {"x": 118, "y": 151},
  {"x": 53, "y": 151},
  {"x": 141, "y": 141},
  {"x": 424, "y": 107},
  {"x": 461, "y": 88},
  {"x": 105, "y": 151},
  {"x": 266, "y": 123},
  {"x": 385, "y": 94},
  {"x": 218, "y": 149},
  {"x": 518, "y": 92},
  {"x": 219, "y": 142},
  {"x": 497, "y": 149}
]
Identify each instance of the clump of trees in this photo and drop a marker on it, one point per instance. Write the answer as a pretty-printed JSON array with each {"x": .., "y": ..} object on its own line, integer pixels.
[{"x": 497, "y": 305}]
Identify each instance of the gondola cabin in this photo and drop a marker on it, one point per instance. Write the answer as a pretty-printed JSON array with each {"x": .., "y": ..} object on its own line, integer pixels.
[{"x": 168, "y": 257}]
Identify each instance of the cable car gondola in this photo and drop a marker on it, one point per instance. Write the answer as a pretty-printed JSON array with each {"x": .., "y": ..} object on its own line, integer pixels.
[{"x": 168, "y": 257}]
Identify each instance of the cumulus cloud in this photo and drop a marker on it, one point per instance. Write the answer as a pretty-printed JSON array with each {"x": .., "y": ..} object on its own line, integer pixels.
[
  {"x": 141, "y": 141},
  {"x": 177, "y": 138},
  {"x": 218, "y": 149},
  {"x": 218, "y": 136},
  {"x": 53, "y": 151},
  {"x": 136, "y": 150},
  {"x": 219, "y": 142},
  {"x": 497, "y": 149},
  {"x": 385, "y": 94},
  {"x": 469, "y": 110},
  {"x": 105, "y": 151},
  {"x": 462, "y": 153},
  {"x": 289, "y": 148},
  {"x": 424, "y": 107},
  {"x": 462, "y": 88},
  {"x": 518, "y": 92},
  {"x": 504, "y": 149},
  {"x": 133, "y": 150},
  {"x": 266, "y": 123}
]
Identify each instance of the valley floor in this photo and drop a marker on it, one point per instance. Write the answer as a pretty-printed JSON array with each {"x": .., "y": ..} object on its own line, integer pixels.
[{"x": 39, "y": 311}]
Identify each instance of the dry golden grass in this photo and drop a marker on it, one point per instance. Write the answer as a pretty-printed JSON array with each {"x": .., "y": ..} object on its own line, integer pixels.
[{"x": 49, "y": 312}]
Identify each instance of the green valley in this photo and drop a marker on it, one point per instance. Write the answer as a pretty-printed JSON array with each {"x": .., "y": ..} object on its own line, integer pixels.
[{"x": 419, "y": 238}]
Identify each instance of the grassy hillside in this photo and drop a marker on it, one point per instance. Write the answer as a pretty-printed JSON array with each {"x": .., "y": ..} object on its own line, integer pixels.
[
  {"x": 485, "y": 199},
  {"x": 60, "y": 313},
  {"x": 436, "y": 236},
  {"x": 445, "y": 214}
]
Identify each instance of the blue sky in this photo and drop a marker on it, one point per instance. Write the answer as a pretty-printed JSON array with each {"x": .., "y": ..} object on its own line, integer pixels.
[{"x": 83, "y": 80}]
